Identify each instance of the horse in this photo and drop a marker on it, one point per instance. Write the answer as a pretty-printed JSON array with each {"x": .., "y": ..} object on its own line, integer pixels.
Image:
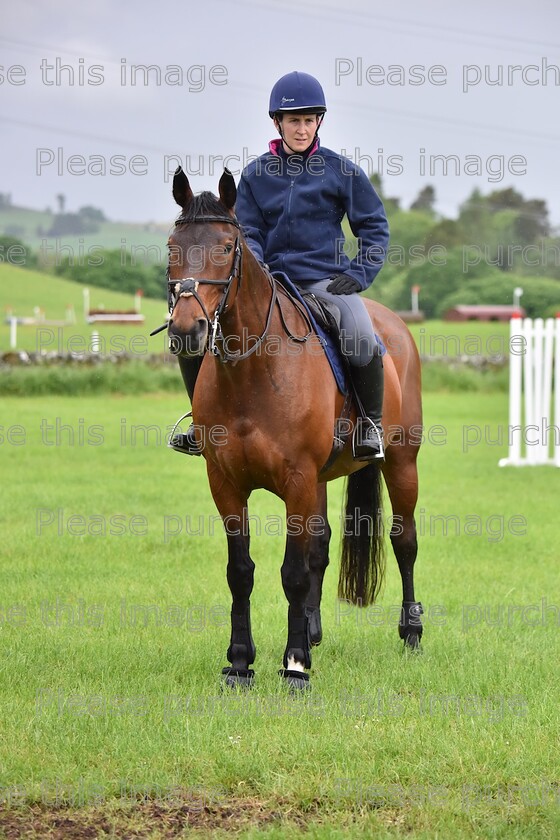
[{"x": 265, "y": 382}]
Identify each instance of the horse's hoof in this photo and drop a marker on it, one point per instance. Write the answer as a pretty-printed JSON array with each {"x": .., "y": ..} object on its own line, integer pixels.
[
  {"x": 238, "y": 677},
  {"x": 412, "y": 643},
  {"x": 314, "y": 628},
  {"x": 297, "y": 680}
]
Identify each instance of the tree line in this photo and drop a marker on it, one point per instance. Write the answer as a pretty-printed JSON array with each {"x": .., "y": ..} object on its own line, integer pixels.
[{"x": 498, "y": 242}]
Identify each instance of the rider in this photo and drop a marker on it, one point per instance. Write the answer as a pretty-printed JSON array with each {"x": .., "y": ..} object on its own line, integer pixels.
[{"x": 291, "y": 202}]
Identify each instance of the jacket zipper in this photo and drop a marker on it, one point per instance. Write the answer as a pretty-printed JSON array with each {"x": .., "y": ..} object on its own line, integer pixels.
[{"x": 289, "y": 207}]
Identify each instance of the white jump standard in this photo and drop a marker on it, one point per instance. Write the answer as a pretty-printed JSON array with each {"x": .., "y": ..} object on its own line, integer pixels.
[{"x": 534, "y": 393}]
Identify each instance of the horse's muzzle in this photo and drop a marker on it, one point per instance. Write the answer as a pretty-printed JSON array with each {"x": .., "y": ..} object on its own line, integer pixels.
[{"x": 191, "y": 343}]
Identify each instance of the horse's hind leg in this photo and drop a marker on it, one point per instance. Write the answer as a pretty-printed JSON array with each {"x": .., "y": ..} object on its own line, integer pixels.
[
  {"x": 318, "y": 562},
  {"x": 401, "y": 477}
]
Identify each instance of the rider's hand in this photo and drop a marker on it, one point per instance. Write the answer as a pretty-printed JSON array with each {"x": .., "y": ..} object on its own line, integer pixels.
[{"x": 342, "y": 284}]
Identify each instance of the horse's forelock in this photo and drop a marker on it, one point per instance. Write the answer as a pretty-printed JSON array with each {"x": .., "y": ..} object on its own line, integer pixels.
[{"x": 204, "y": 204}]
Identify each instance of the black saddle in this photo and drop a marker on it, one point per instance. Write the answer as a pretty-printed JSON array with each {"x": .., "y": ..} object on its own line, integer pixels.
[{"x": 326, "y": 314}]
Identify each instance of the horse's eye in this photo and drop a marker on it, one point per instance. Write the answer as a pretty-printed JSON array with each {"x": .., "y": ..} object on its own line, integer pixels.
[{"x": 228, "y": 249}]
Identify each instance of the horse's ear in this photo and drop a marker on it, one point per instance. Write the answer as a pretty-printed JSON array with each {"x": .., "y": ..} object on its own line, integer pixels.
[
  {"x": 227, "y": 190},
  {"x": 182, "y": 192}
]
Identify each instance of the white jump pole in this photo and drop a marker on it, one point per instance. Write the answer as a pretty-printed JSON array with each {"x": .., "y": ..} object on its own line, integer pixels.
[
  {"x": 516, "y": 337},
  {"x": 533, "y": 392},
  {"x": 557, "y": 390},
  {"x": 546, "y": 390},
  {"x": 534, "y": 407},
  {"x": 13, "y": 333},
  {"x": 527, "y": 380}
]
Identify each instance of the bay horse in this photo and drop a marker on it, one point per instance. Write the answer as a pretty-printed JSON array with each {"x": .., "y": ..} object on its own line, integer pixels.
[{"x": 268, "y": 386}]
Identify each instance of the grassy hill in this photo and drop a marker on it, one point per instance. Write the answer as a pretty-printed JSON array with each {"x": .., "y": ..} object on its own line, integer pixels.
[
  {"x": 26, "y": 224},
  {"x": 22, "y": 290}
]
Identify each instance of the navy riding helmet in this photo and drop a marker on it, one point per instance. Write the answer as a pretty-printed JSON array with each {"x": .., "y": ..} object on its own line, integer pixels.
[{"x": 297, "y": 92}]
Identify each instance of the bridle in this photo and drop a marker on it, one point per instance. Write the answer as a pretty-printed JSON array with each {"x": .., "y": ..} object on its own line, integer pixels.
[{"x": 188, "y": 287}]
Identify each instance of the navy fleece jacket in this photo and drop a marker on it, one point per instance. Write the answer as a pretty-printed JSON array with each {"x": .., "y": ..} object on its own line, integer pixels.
[{"x": 291, "y": 209}]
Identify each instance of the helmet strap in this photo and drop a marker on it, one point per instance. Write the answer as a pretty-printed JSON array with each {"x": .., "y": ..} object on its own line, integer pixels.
[{"x": 315, "y": 138}]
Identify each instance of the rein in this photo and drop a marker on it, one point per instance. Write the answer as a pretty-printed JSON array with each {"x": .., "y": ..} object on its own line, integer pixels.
[{"x": 188, "y": 287}]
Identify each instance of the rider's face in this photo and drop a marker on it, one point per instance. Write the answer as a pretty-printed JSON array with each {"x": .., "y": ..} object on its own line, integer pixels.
[{"x": 298, "y": 131}]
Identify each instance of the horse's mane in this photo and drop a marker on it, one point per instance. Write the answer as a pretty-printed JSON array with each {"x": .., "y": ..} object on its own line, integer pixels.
[{"x": 203, "y": 204}]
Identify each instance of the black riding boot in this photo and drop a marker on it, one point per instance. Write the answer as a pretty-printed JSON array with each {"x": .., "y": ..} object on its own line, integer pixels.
[
  {"x": 367, "y": 442},
  {"x": 186, "y": 442}
]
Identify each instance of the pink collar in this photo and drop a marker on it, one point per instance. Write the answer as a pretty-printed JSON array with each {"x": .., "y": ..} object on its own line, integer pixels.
[{"x": 276, "y": 145}]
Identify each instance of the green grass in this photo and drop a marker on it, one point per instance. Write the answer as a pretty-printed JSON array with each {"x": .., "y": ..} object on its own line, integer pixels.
[
  {"x": 95, "y": 706},
  {"x": 458, "y": 377},
  {"x": 84, "y": 378},
  {"x": 469, "y": 339},
  {"x": 132, "y": 376},
  {"x": 22, "y": 290}
]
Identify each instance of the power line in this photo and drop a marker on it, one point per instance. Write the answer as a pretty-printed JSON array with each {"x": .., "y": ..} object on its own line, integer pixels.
[
  {"x": 462, "y": 124},
  {"x": 392, "y": 112},
  {"x": 25, "y": 45},
  {"x": 348, "y": 16},
  {"x": 430, "y": 118},
  {"x": 475, "y": 33},
  {"x": 81, "y": 134},
  {"x": 363, "y": 19}
]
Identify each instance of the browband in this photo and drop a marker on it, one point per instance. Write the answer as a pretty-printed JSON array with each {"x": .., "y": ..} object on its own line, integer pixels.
[{"x": 182, "y": 220}]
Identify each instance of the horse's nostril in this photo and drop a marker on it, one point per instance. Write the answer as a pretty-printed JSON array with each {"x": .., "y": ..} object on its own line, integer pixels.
[{"x": 175, "y": 343}]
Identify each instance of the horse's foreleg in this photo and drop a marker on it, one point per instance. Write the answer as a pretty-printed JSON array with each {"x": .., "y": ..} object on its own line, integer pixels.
[
  {"x": 402, "y": 483},
  {"x": 318, "y": 562},
  {"x": 240, "y": 576},
  {"x": 240, "y": 572},
  {"x": 300, "y": 506}
]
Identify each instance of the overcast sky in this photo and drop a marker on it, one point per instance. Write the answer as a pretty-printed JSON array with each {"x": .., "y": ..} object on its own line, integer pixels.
[{"x": 227, "y": 55}]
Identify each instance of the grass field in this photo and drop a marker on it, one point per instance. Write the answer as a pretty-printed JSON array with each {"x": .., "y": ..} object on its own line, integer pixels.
[
  {"x": 113, "y": 722},
  {"x": 22, "y": 290}
]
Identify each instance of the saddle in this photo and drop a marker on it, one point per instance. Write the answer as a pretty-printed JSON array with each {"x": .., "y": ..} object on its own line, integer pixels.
[
  {"x": 325, "y": 320},
  {"x": 325, "y": 313}
]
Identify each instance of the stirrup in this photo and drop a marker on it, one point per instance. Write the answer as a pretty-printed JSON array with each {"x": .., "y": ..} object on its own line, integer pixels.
[
  {"x": 183, "y": 442},
  {"x": 370, "y": 445}
]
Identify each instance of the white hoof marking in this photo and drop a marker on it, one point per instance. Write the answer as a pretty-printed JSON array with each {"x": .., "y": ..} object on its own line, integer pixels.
[{"x": 293, "y": 665}]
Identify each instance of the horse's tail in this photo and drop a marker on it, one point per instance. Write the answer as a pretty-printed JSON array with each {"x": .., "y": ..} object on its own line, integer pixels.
[{"x": 362, "y": 564}]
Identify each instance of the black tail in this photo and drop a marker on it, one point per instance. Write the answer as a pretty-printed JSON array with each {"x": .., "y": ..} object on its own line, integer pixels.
[{"x": 362, "y": 564}]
